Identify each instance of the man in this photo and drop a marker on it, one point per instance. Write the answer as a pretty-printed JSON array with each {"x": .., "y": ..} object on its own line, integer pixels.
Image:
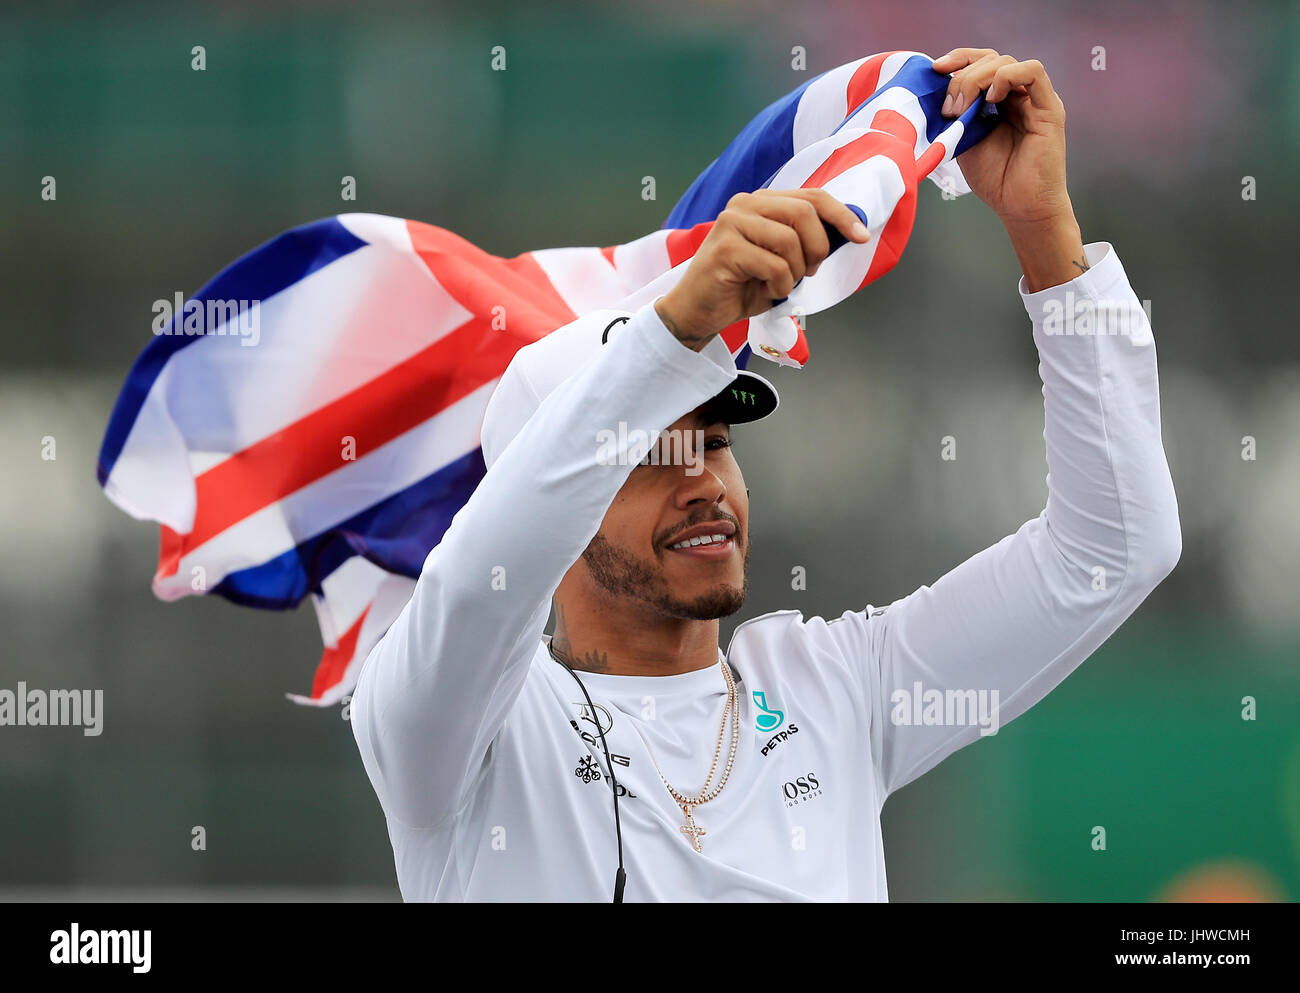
[{"x": 515, "y": 767}]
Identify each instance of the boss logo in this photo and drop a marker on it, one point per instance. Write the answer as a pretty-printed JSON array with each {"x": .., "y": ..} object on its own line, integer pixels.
[{"x": 801, "y": 789}]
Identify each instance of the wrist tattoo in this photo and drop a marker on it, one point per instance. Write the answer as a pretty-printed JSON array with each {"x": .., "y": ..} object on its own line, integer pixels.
[{"x": 686, "y": 339}]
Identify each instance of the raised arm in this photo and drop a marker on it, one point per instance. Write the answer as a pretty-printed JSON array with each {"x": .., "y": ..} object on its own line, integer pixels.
[{"x": 990, "y": 638}]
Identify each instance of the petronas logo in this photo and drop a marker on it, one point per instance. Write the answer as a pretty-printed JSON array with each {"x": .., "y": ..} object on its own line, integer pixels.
[{"x": 770, "y": 719}]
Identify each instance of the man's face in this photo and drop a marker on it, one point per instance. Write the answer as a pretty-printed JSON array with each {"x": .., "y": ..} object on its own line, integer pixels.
[{"x": 642, "y": 551}]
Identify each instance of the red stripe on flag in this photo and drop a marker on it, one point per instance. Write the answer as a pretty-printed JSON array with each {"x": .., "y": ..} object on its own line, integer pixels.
[
  {"x": 893, "y": 239},
  {"x": 169, "y": 552},
  {"x": 735, "y": 335},
  {"x": 609, "y": 255},
  {"x": 481, "y": 282},
  {"x": 930, "y": 159},
  {"x": 865, "y": 81},
  {"x": 684, "y": 243},
  {"x": 799, "y": 351},
  {"x": 892, "y": 122},
  {"x": 392, "y": 403},
  {"x": 334, "y": 661},
  {"x": 858, "y": 151},
  {"x": 374, "y": 414}
]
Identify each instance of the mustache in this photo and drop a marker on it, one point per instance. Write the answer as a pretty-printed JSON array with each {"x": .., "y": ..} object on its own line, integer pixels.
[{"x": 666, "y": 536}]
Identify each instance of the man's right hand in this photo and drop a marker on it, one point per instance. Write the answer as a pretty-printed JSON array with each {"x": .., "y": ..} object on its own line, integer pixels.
[{"x": 759, "y": 247}]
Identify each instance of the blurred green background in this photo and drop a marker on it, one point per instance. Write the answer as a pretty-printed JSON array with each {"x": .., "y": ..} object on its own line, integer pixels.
[{"x": 166, "y": 174}]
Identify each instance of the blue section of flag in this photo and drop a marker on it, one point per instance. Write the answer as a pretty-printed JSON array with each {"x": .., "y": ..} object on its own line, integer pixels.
[
  {"x": 751, "y": 159},
  {"x": 917, "y": 75},
  {"x": 395, "y": 534},
  {"x": 259, "y": 275}
]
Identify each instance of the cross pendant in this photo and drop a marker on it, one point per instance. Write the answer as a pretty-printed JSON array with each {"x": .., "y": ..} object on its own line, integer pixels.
[{"x": 691, "y": 829}]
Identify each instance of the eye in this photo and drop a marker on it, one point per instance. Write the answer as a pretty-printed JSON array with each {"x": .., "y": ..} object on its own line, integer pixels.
[{"x": 717, "y": 442}]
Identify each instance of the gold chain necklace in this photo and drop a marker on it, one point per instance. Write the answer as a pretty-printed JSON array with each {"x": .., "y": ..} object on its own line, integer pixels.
[{"x": 689, "y": 803}]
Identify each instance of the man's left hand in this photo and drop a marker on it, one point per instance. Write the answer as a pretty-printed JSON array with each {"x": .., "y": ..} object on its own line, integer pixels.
[{"x": 1019, "y": 169}]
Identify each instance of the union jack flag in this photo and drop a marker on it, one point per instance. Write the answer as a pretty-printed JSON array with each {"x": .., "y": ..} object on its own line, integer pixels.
[{"x": 327, "y": 459}]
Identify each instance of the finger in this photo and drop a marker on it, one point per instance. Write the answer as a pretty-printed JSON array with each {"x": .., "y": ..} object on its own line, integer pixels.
[
  {"x": 831, "y": 211},
  {"x": 1025, "y": 77},
  {"x": 801, "y": 213},
  {"x": 966, "y": 84},
  {"x": 776, "y": 235},
  {"x": 959, "y": 58},
  {"x": 754, "y": 262},
  {"x": 835, "y": 213},
  {"x": 959, "y": 96}
]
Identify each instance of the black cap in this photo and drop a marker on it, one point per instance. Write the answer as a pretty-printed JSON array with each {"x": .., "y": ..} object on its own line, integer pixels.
[{"x": 750, "y": 397}]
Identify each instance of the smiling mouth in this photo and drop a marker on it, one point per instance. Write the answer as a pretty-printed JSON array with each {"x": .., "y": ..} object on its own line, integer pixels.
[
  {"x": 714, "y": 545},
  {"x": 714, "y": 539},
  {"x": 702, "y": 541}
]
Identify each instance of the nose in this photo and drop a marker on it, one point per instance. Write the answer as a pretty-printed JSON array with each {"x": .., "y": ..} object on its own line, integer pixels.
[{"x": 703, "y": 488}]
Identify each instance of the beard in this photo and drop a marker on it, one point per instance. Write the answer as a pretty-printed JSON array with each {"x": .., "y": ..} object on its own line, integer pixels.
[{"x": 627, "y": 577}]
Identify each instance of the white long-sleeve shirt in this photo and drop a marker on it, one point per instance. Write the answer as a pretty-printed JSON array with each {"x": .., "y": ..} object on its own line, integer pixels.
[{"x": 486, "y": 758}]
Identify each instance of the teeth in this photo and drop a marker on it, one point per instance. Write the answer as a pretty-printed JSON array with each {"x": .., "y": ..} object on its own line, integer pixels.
[{"x": 707, "y": 539}]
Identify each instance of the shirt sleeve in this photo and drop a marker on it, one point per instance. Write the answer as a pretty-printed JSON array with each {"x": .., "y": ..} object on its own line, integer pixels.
[
  {"x": 436, "y": 689},
  {"x": 1015, "y": 619}
]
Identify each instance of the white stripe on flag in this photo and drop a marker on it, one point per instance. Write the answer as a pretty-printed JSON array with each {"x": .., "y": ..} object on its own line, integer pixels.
[
  {"x": 350, "y": 489},
  {"x": 364, "y": 314},
  {"x": 876, "y": 186},
  {"x": 347, "y": 592},
  {"x": 640, "y": 261},
  {"x": 391, "y": 596},
  {"x": 823, "y": 105},
  {"x": 582, "y": 277}
]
